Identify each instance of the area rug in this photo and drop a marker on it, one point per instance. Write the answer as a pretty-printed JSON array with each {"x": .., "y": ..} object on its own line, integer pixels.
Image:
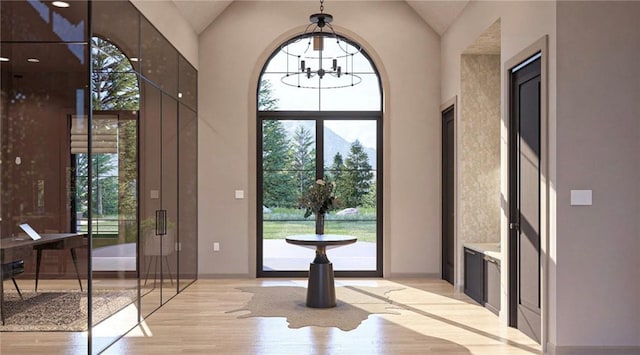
[
  {"x": 354, "y": 305},
  {"x": 60, "y": 310}
]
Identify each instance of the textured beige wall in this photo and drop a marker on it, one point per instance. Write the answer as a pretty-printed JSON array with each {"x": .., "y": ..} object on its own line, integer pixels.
[
  {"x": 598, "y": 135},
  {"x": 479, "y": 149},
  {"x": 232, "y": 52}
]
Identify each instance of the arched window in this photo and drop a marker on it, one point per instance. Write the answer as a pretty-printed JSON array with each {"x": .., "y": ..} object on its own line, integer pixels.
[{"x": 316, "y": 123}]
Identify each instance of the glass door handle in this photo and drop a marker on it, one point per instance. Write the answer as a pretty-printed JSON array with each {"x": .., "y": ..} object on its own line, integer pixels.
[{"x": 161, "y": 222}]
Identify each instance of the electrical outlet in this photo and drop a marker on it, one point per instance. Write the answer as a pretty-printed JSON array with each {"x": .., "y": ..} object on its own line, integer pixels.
[{"x": 216, "y": 246}]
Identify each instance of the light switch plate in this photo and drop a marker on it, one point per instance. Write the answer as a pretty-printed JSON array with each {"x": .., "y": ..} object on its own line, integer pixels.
[
  {"x": 581, "y": 198},
  {"x": 155, "y": 194},
  {"x": 239, "y": 194}
]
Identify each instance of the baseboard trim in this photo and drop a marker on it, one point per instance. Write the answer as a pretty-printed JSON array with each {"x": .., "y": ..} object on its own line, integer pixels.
[
  {"x": 553, "y": 349},
  {"x": 225, "y": 276},
  {"x": 400, "y": 275}
]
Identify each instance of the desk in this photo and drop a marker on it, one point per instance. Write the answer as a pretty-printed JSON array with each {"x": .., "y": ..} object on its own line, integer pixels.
[
  {"x": 321, "y": 290},
  {"x": 11, "y": 249}
]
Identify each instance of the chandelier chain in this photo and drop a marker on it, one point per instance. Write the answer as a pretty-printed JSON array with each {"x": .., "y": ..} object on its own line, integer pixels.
[{"x": 321, "y": 6}]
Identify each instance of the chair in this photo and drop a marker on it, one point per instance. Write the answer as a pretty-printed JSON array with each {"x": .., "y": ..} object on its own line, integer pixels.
[
  {"x": 158, "y": 247},
  {"x": 11, "y": 270}
]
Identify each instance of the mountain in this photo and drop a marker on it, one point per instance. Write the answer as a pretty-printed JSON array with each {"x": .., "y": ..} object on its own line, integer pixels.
[{"x": 333, "y": 143}]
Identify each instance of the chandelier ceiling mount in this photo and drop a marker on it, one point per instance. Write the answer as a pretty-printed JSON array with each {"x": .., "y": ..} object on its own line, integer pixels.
[{"x": 309, "y": 72}]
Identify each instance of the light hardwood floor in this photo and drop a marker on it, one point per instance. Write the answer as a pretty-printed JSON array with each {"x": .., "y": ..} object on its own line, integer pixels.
[{"x": 431, "y": 318}]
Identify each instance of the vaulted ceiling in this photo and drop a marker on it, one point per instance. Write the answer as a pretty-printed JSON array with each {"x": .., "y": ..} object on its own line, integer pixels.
[{"x": 437, "y": 14}]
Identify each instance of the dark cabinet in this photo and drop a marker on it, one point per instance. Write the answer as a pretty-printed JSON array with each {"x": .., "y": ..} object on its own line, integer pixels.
[
  {"x": 474, "y": 274},
  {"x": 491, "y": 296},
  {"x": 482, "y": 279}
]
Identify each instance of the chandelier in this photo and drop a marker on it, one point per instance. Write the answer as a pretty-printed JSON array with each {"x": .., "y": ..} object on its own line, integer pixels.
[{"x": 319, "y": 46}]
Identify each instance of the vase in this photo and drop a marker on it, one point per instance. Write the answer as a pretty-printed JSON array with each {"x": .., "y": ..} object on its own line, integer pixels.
[{"x": 319, "y": 223}]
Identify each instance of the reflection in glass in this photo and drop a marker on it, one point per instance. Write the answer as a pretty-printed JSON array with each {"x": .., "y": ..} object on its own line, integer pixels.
[
  {"x": 37, "y": 101},
  {"x": 66, "y": 170},
  {"x": 113, "y": 158}
]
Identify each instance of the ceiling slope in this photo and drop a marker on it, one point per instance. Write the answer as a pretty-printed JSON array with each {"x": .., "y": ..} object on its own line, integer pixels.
[{"x": 439, "y": 14}]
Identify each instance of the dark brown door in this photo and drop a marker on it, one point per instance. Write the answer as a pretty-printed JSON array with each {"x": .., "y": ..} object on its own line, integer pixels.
[
  {"x": 524, "y": 199},
  {"x": 448, "y": 165}
]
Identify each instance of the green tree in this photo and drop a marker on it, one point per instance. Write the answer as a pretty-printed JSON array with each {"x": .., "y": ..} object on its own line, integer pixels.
[
  {"x": 336, "y": 174},
  {"x": 303, "y": 159},
  {"x": 357, "y": 176},
  {"x": 278, "y": 183},
  {"x": 266, "y": 101},
  {"x": 370, "y": 199}
]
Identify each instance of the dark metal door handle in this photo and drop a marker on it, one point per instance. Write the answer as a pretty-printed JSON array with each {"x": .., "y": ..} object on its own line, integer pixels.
[{"x": 514, "y": 226}]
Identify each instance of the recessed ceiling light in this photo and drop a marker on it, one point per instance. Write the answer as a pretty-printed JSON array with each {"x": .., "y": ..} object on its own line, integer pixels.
[
  {"x": 4, "y": 59},
  {"x": 33, "y": 60},
  {"x": 60, "y": 4}
]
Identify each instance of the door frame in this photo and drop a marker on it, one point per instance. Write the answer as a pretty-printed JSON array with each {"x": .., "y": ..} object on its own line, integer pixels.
[
  {"x": 451, "y": 104},
  {"x": 509, "y": 299}
]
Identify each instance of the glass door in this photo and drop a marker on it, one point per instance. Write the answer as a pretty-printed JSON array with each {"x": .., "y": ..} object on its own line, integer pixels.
[
  {"x": 288, "y": 169},
  {"x": 167, "y": 219},
  {"x": 350, "y": 162},
  {"x": 150, "y": 198},
  {"x": 343, "y": 149}
]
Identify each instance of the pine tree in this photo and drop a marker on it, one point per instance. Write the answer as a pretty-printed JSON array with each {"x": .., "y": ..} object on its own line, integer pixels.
[
  {"x": 336, "y": 174},
  {"x": 357, "y": 176},
  {"x": 303, "y": 159},
  {"x": 277, "y": 182},
  {"x": 266, "y": 101}
]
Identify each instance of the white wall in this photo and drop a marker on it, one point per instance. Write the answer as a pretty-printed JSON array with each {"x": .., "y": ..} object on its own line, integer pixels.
[
  {"x": 598, "y": 130},
  {"x": 232, "y": 52},
  {"x": 164, "y": 15}
]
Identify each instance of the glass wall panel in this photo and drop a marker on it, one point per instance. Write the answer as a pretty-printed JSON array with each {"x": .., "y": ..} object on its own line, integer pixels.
[
  {"x": 169, "y": 198},
  {"x": 105, "y": 201},
  {"x": 188, "y": 92},
  {"x": 40, "y": 21},
  {"x": 188, "y": 197},
  {"x": 43, "y": 85},
  {"x": 159, "y": 60},
  {"x": 150, "y": 187},
  {"x": 119, "y": 23}
]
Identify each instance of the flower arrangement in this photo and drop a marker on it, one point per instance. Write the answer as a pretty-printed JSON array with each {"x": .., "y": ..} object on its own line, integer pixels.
[{"x": 319, "y": 198}]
